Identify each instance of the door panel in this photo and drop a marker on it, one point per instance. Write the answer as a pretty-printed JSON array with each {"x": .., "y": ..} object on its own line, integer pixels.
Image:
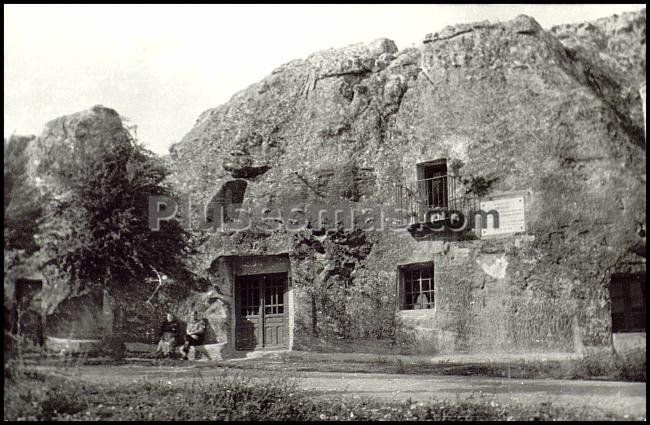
[
  {"x": 249, "y": 317},
  {"x": 274, "y": 314},
  {"x": 261, "y": 311}
]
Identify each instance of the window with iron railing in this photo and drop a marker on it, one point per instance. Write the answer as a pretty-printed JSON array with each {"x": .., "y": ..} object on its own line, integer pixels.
[
  {"x": 432, "y": 183},
  {"x": 434, "y": 194}
]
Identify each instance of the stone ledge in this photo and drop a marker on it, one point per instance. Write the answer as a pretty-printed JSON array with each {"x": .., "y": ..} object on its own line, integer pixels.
[
  {"x": 627, "y": 344},
  {"x": 205, "y": 352},
  {"x": 64, "y": 345},
  {"x": 219, "y": 351},
  {"x": 140, "y": 347},
  {"x": 424, "y": 313}
]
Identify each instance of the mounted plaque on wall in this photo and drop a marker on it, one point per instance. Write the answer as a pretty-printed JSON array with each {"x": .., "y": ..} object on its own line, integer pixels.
[{"x": 511, "y": 217}]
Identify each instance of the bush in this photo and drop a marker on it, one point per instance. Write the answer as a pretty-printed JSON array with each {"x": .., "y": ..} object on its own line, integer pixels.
[{"x": 37, "y": 397}]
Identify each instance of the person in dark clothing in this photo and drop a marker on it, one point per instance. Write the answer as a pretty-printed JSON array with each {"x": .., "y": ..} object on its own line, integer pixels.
[
  {"x": 193, "y": 334},
  {"x": 168, "y": 336}
]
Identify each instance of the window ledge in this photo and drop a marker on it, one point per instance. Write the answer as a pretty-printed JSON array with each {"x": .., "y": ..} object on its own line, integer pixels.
[{"x": 418, "y": 312}]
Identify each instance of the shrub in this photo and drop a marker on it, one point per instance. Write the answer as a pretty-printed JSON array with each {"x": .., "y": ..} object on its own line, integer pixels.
[{"x": 38, "y": 397}]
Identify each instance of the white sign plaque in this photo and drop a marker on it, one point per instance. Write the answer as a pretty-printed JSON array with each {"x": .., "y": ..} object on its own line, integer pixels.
[{"x": 511, "y": 216}]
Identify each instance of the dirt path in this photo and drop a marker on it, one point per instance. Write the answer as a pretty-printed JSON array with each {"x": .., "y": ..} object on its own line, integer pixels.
[{"x": 617, "y": 397}]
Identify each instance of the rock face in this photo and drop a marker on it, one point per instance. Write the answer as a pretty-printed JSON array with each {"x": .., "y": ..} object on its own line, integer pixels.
[
  {"x": 554, "y": 116},
  {"x": 514, "y": 109},
  {"x": 73, "y": 136}
]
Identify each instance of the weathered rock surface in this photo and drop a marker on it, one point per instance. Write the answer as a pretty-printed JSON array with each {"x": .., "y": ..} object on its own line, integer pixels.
[
  {"x": 512, "y": 107},
  {"x": 555, "y": 113},
  {"x": 77, "y": 136}
]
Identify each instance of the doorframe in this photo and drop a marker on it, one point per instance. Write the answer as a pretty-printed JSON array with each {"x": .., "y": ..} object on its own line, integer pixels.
[
  {"x": 288, "y": 311},
  {"x": 279, "y": 263}
]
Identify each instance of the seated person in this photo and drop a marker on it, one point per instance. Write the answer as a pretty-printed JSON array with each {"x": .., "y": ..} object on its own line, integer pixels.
[
  {"x": 193, "y": 334},
  {"x": 168, "y": 336}
]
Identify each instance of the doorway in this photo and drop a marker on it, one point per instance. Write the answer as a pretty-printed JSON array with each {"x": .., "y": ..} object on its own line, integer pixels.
[
  {"x": 432, "y": 183},
  {"x": 261, "y": 312},
  {"x": 627, "y": 294}
]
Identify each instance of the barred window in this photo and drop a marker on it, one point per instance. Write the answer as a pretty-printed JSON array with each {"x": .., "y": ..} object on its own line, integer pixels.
[{"x": 418, "y": 286}]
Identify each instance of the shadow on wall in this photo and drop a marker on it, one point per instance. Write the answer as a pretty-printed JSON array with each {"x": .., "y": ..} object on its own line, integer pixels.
[
  {"x": 224, "y": 205},
  {"x": 210, "y": 333},
  {"x": 77, "y": 318}
]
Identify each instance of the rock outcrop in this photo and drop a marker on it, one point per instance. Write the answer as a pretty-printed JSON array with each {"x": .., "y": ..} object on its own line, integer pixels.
[
  {"x": 556, "y": 115},
  {"x": 513, "y": 106}
]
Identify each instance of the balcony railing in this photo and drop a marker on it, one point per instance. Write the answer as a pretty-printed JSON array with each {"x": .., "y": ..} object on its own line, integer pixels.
[{"x": 433, "y": 199}]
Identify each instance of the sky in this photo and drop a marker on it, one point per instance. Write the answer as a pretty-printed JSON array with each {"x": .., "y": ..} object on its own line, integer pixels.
[{"x": 161, "y": 66}]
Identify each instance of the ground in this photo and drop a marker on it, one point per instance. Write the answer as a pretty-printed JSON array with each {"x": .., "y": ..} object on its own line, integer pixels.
[{"x": 621, "y": 398}]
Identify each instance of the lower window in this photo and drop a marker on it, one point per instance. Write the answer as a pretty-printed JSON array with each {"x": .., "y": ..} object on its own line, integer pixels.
[{"x": 417, "y": 286}]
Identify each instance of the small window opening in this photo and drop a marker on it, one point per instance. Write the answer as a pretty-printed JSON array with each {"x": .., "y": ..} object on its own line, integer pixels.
[{"x": 417, "y": 286}]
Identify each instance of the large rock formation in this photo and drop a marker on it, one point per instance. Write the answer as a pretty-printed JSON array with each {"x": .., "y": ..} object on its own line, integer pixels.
[
  {"x": 68, "y": 141},
  {"x": 553, "y": 116},
  {"x": 512, "y": 107}
]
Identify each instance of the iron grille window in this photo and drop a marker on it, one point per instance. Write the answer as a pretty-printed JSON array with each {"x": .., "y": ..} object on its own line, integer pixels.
[
  {"x": 250, "y": 298},
  {"x": 419, "y": 292},
  {"x": 274, "y": 296}
]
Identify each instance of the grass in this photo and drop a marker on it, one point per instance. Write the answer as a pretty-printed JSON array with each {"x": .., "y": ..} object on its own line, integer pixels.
[
  {"x": 586, "y": 369},
  {"x": 629, "y": 369},
  {"x": 34, "y": 396}
]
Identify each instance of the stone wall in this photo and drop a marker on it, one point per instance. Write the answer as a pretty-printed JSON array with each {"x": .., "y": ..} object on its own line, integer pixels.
[
  {"x": 486, "y": 300},
  {"x": 79, "y": 317}
]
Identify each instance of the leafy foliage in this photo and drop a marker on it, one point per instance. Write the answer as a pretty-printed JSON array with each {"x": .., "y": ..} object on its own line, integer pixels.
[
  {"x": 349, "y": 301},
  {"x": 98, "y": 230}
]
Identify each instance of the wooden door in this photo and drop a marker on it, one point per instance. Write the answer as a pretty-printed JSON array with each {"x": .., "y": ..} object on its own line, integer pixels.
[
  {"x": 275, "y": 323},
  {"x": 249, "y": 315},
  {"x": 261, "y": 311}
]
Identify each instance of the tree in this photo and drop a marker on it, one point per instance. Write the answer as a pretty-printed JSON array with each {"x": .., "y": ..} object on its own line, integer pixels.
[
  {"x": 22, "y": 211},
  {"x": 98, "y": 232}
]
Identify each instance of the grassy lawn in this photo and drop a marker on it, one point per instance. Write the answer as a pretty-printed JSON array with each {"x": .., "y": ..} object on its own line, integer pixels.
[
  {"x": 519, "y": 369},
  {"x": 230, "y": 396},
  {"x": 304, "y": 361}
]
